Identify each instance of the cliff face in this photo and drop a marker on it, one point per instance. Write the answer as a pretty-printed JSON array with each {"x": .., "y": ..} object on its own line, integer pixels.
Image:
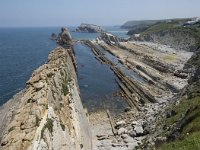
[
  {"x": 49, "y": 114},
  {"x": 178, "y": 39}
]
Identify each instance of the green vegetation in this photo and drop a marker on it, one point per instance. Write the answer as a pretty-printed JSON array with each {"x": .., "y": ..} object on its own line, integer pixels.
[
  {"x": 173, "y": 25},
  {"x": 191, "y": 142},
  {"x": 187, "y": 113},
  {"x": 189, "y": 137},
  {"x": 61, "y": 72},
  {"x": 11, "y": 129},
  {"x": 159, "y": 27},
  {"x": 49, "y": 75},
  {"x": 37, "y": 121},
  {"x": 65, "y": 88},
  {"x": 195, "y": 60},
  {"x": 62, "y": 126},
  {"x": 48, "y": 125}
]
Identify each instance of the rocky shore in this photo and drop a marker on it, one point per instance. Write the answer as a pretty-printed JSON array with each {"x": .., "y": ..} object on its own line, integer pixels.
[
  {"x": 48, "y": 113},
  {"x": 152, "y": 76}
]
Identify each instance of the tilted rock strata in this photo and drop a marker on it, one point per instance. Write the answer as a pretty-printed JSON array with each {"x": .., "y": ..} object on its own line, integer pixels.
[
  {"x": 50, "y": 114},
  {"x": 173, "y": 38}
]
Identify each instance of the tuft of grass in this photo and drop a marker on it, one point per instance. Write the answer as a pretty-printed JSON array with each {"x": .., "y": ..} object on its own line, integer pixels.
[
  {"x": 61, "y": 72},
  {"x": 49, "y": 75},
  {"x": 11, "y": 129},
  {"x": 65, "y": 89},
  {"x": 62, "y": 126},
  {"x": 48, "y": 125},
  {"x": 37, "y": 121}
]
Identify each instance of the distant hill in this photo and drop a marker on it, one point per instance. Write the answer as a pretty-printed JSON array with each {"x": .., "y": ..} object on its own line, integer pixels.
[
  {"x": 181, "y": 34},
  {"x": 146, "y": 23},
  {"x": 131, "y": 24}
]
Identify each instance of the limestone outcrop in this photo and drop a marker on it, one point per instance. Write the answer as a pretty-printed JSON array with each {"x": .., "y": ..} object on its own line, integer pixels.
[
  {"x": 49, "y": 114},
  {"x": 173, "y": 38},
  {"x": 110, "y": 39},
  {"x": 89, "y": 28},
  {"x": 64, "y": 38}
]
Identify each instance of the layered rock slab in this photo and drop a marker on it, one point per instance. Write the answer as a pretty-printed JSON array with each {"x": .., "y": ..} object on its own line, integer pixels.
[{"x": 49, "y": 113}]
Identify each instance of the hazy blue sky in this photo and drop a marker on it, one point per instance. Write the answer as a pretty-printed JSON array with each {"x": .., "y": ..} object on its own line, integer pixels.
[{"x": 102, "y": 12}]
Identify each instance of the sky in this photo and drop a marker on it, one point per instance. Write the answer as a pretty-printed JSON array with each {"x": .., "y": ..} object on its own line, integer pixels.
[{"x": 38, "y": 13}]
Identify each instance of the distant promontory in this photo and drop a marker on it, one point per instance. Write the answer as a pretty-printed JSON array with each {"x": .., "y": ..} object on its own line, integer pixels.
[{"x": 89, "y": 28}]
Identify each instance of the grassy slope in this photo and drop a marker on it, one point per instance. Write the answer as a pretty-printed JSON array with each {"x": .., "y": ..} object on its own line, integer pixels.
[
  {"x": 173, "y": 26},
  {"x": 188, "y": 110},
  {"x": 189, "y": 135}
]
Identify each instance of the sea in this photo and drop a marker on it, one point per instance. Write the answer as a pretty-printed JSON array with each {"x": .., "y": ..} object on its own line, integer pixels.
[{"x": 22, "y": 50}]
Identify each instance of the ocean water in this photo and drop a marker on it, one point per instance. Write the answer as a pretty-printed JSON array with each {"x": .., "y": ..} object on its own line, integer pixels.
[
  {"x": 22, "y": 50},
  {"x": 97, "y": 82},
  {"x": 115, "y": 30}
]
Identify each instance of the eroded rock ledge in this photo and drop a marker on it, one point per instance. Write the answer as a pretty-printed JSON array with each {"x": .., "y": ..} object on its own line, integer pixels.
[{"x": 49, "y": 113}]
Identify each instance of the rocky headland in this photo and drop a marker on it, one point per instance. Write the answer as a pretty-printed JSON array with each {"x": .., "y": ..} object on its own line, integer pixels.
[{"x": 48, "y": 113}]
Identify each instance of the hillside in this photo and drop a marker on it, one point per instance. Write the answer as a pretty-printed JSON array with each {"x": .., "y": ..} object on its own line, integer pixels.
[
  {"x": 132, "y": 24},
  {"x": 178, "y": 126},
  {"x": 183, "y": 130},
  {"x": 146, "y": 23},
  {"x": 172, "y": 33}
]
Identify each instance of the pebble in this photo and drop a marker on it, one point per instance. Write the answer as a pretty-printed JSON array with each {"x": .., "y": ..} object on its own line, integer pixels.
[
  {"x": 120, "y": 123},
  {"x": 139, "y": 130},
  {"x": 39, "y": 85}
]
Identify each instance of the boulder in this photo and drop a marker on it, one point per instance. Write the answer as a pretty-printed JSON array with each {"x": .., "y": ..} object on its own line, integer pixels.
[
  {"x": 120, "y": 124},
  {"x": 121, "y": 131},
  {"x": 132, "y": 133},
  {"x": 138, "y": 129},
  {"x": 110, "y": 39},
  {"x": 38, "y": 86}
]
